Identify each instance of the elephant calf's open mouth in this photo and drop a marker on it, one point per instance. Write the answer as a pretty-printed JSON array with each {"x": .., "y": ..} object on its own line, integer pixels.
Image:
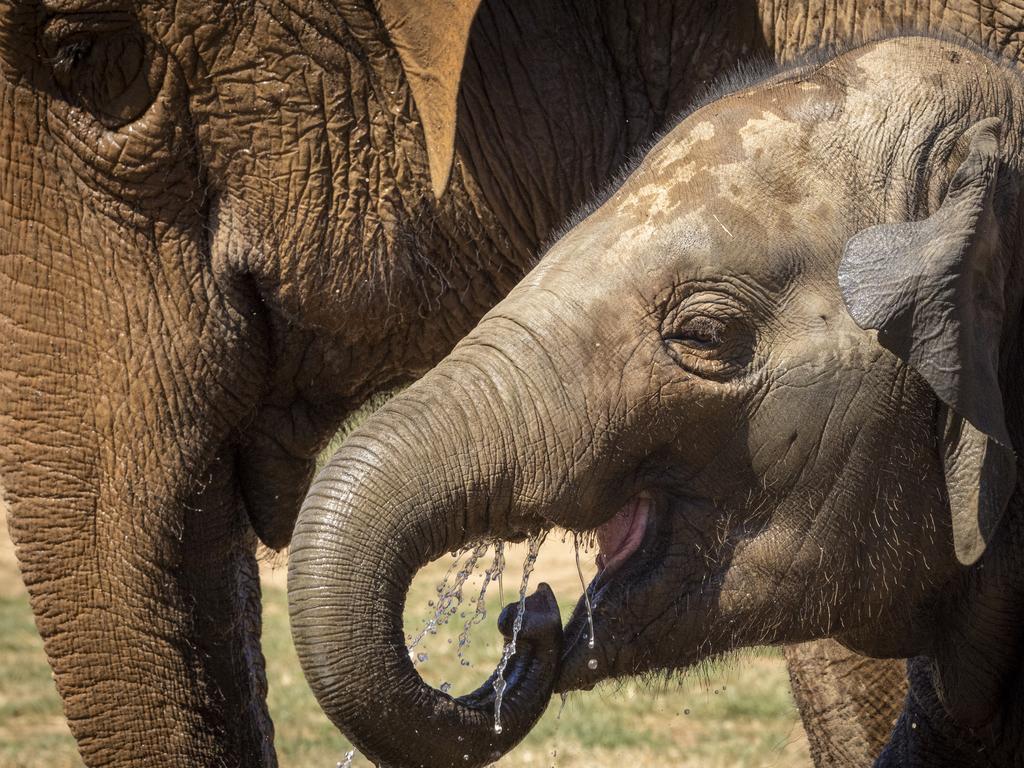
[
  {"x": 633, "y": 548},
  {"x": 621, "y": 536}
]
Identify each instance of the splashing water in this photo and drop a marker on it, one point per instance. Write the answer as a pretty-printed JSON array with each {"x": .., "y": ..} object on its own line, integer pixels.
[
  {"x": 586, "y": 594},
  {"x": 558, "y": 725},
  {"x": 499, "y": 684},
  {"x": 480, "y": 612},
  {"x": 347, "y": 762},
  {"x": 450, "y": 597}
]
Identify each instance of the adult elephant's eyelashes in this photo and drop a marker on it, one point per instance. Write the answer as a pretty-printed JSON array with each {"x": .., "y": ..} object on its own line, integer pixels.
[
  {"x": 70, "y": 55},
  {"x": 103, "y": 64}
]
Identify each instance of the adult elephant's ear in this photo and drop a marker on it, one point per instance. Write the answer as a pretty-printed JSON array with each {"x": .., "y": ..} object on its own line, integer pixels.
[
  {"x": 934, "y": 291},
  {"x": 431, "y": 37}
]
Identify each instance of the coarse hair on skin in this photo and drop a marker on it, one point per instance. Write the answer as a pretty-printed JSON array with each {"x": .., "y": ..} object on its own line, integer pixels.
[{"x": 748, "y": 74}]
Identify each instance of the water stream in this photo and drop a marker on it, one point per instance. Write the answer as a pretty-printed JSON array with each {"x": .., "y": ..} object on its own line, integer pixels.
[
  {"x": 586, "y": 594},
  {"x": 480, "y": 611},
  {"x": 534, "y": 543}
]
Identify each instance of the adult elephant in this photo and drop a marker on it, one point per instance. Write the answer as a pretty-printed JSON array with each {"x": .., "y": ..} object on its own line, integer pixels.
[
  {"x": 778, "y": 371},
  {"x": 224, "y": 224}
]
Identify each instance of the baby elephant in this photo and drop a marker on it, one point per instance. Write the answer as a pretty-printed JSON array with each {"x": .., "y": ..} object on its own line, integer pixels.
[{"x": 778, "y": 369}]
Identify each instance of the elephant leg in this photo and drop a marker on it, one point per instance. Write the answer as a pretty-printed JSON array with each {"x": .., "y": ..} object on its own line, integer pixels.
[{"x": 848, "y": 702}]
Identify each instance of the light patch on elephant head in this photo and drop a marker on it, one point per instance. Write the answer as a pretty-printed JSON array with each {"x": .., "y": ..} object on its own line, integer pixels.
[
  {"x": 659, "y": 198},
  {"x": 656, "y": 193},
  {"x": 674, "y": 148},
  {"x": 762, "y": 133},
  {"x": 689, "y": 225},
  {"x": 669, "y": 165}
]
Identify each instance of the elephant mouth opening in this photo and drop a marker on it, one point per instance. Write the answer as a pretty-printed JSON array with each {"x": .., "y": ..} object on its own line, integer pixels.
[
  {"x": 633, "y": 545},
  {"x": 621, "y": 536}
]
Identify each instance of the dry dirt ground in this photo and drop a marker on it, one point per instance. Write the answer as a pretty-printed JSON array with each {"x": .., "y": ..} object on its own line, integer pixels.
[{"x": 731, "y": 714}]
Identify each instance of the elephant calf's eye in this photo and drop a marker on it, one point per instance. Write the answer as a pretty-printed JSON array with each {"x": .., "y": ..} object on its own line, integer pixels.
[
  {"x": 703, "y": 333},
  {"x": 712, "y": 340}
]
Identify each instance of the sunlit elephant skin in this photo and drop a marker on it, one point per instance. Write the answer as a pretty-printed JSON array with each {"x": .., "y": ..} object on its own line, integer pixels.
[
  {"x": 777, "y": 370},
  {"x": 223, "y": 225}
]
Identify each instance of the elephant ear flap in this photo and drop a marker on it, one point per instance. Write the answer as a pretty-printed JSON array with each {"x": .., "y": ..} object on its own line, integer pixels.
[
  {"x": 431, "y": 37},
  {"x": 933, "y": 290}
]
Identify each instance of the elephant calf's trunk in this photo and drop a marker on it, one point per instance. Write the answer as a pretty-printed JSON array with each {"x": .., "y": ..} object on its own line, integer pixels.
[{"x": 359, "y": 540}]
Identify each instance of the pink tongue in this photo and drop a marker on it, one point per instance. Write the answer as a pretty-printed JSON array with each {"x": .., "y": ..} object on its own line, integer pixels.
[{"x": 621, "y": 536}]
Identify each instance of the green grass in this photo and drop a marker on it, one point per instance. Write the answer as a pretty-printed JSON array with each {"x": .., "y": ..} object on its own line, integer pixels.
[
  {"x": 32, "y": 729},
  {"x": 751, "y": 721}
]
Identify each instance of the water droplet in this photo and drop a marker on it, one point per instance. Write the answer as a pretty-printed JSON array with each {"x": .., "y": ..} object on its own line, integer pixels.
[
  {"x": 445, "y": 687},
  {"x": 479, "y": 600},
  {"x": 592, "y": 664},
  {"x": 450, "y": 596},
  {"x": 686, "y": 711},
  {"x": 913, "y": 725},
  {"x": 347, "y": 762},
  {"x": 716, "y": 691},
  {"x": 421, "y": 657}
]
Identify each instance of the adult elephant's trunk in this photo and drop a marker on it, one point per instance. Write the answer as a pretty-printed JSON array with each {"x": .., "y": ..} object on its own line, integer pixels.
[{"x": 434, "y": 474}]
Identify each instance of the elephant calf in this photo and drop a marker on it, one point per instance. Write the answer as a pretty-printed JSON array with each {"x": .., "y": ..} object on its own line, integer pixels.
[{"x": 778, "y": 371}]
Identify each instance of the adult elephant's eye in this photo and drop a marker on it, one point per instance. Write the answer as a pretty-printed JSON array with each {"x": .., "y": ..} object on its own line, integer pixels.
[{"x": 103, "y": 64}]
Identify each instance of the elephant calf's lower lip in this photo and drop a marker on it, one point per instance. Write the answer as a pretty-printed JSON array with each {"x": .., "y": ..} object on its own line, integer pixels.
[{"x": 621, "y": 536}]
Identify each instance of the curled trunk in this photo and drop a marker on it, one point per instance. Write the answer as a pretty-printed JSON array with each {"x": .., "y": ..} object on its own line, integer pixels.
[{"x": 380, "y": 510}]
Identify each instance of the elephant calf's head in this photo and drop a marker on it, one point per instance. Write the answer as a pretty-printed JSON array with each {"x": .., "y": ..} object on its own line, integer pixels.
[
  {"x": 766, "y": 369},
  {"x": 795, "y": 314}
]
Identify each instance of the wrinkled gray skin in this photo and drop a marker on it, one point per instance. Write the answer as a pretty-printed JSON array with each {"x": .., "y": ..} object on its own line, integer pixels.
[{"x": 745, "y": 330}]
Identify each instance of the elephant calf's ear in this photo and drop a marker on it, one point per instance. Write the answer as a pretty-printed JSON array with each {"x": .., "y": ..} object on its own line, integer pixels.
[
  {"x": 431, "y": 37},
  {"x": 933, "y": 290}
]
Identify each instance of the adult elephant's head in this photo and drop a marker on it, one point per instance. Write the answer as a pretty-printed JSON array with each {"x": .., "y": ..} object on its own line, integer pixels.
[{"x": 773, "y": 370}]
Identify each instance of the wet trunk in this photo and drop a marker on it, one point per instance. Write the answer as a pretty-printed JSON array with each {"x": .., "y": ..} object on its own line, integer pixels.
[{"x": 383, "y": 508}]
